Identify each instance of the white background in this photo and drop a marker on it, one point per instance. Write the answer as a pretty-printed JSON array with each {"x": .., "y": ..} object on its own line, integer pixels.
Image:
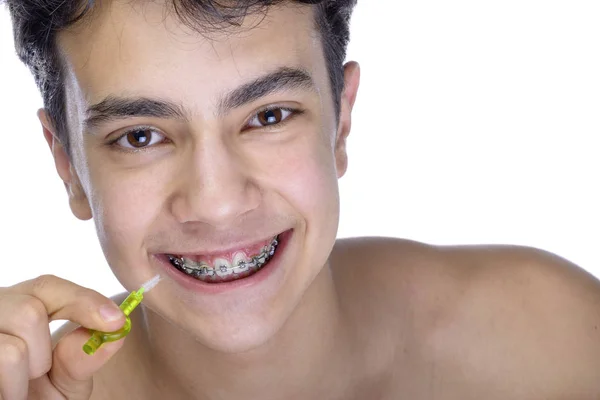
[{"x": 477, "y": 122}]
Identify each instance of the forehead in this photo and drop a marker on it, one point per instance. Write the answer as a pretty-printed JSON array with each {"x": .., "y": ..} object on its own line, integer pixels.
[{"x": 143, "y": 48}]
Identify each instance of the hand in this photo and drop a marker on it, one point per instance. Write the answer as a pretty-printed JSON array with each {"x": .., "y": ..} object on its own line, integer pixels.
[{"x": 29, "y": 367}]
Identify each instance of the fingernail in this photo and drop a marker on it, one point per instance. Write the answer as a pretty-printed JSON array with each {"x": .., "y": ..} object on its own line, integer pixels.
[{"x": 110, "y": 313}]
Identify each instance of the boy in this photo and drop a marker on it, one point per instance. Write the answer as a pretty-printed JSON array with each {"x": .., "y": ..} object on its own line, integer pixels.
[{"x": 206, "y": 140}]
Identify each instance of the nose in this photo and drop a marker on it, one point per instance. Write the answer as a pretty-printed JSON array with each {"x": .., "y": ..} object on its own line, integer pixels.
[{"x": 214, "y": 185}]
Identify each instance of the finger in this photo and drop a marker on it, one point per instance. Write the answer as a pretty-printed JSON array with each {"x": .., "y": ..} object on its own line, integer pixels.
[
  {"x": 13, "y": 368},
  {"x": 25, "y": 317},
  {"x": 66, "y": 300},
  {"x": 72, "y": 369}
]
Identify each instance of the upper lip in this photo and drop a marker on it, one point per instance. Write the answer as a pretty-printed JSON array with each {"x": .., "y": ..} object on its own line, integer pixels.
[{"x": 216, "y": 251}]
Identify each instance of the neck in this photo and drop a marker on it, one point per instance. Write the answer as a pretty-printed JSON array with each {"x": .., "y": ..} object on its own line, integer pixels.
[{"x": 311, "y": 356}]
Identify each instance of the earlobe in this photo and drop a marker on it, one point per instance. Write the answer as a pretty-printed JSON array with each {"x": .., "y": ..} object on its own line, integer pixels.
[
  {"x": 78, "y": 200},
  {"x": 351, "y": 84}
]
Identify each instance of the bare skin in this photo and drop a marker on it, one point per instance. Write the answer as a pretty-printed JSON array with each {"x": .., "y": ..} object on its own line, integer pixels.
[
  {"x": 428, "y": 322},
  {"x": 351, "y": 319}
]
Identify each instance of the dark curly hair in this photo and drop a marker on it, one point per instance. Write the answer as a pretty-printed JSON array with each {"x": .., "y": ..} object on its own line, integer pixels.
[{"x": 36, "y": 23}]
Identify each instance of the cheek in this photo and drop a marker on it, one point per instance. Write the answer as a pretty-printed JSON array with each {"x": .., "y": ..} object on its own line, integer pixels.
[
  {"x": 124, "y": 207},
  {"x": 308, "y": 183},
  {"x": 306, "y": 177}
]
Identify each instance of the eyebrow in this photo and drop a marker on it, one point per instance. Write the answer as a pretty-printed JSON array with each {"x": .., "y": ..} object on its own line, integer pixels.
[
  {"x": 114, "y": 107},
  {"x": 280, "y": 80}
]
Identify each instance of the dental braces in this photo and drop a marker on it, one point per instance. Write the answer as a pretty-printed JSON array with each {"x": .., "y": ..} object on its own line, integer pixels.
[{"x": 241, "y": 266}]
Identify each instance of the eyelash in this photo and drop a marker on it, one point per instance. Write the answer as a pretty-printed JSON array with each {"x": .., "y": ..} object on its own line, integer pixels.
[
  {"x": 293, "y": 113},
  {"x": 113, "y": 143}
]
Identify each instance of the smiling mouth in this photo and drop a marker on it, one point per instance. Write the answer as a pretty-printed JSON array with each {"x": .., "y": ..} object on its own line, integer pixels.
[{"x": 226, "y": 269}]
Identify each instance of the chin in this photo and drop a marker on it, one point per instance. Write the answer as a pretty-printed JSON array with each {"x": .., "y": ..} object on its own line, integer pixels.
[{"x": 241, "y": 339}]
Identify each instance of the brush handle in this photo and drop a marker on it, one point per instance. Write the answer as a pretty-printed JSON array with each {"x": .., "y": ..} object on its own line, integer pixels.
[{"x": 98, "y": 338}]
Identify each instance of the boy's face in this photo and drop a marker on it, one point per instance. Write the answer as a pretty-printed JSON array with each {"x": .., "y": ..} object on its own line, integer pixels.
[{"x": 211, "y": 172}]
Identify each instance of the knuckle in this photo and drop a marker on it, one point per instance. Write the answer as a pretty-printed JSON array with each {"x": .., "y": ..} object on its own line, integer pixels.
[
  {"x": 42, "y": 281},
  {"x": 13, "y": 352},
  {"x": 32, "y": 313}
]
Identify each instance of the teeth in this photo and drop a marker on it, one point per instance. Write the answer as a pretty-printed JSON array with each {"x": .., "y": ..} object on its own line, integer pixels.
[
  {"x": 205, "y": 270},
  {"x": 240, "y": 262},
  {"x": 177, "y": 261},
  {"x": 223, "y": 267}
]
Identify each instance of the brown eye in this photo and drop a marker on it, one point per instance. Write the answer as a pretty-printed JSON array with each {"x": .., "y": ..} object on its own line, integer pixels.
[
  {"x": 140, "y": 138},
  {"x": 270, "y": 117}
]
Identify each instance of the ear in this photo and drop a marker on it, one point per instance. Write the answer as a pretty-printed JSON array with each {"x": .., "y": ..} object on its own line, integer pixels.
[
  {"x": 351, "y": 83},
  {"x": 78, "y": 200}
]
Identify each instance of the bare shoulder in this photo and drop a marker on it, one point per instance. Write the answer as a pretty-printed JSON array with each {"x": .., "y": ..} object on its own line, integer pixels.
[
  {"x": 382, "y": 272},
  {"x": 537, "y": 321},
  {"x": 396, "y": 275},
  {"x": 526, "y": 322},
  {"x": 491, "y": 321}
]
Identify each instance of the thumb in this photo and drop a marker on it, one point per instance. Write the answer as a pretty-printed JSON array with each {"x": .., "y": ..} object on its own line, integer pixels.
[{"x": 72, "y": 369}]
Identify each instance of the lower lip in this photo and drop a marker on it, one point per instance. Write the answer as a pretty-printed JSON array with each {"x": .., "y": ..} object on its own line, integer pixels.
[{"x": 214, "y": 288}]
